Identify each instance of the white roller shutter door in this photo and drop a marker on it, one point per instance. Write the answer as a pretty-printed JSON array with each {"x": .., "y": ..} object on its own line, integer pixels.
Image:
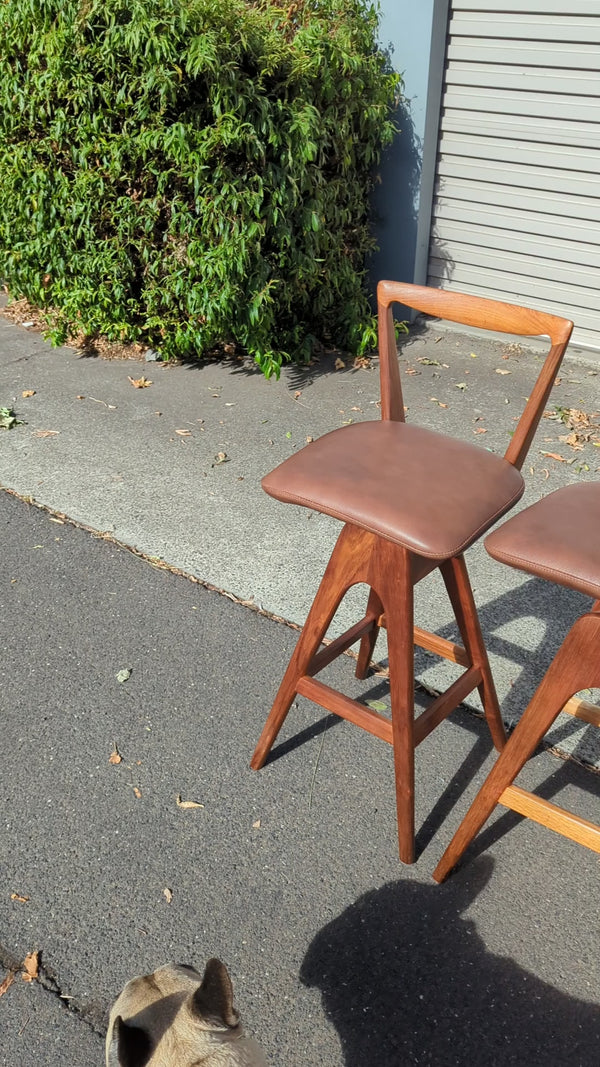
[{"x": 516, "y": 212}]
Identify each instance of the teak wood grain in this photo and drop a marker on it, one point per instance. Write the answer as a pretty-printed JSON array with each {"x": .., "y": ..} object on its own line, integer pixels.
[
  {"x": 576, "y": 666},
  {"x": 391, "y": 570}
]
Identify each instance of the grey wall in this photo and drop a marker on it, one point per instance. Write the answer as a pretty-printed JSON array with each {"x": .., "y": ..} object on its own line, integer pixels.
[{"x": 413, "y": 33}]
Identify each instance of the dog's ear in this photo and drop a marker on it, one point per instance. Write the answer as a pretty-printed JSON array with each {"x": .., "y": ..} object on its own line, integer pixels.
[
  {"x": 129, "y": 1046},
  {"x": 214, "y": 998}
]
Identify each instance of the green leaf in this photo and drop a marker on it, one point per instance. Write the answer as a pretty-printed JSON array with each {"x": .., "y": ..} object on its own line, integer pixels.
[{"x": 8, "y": 419}]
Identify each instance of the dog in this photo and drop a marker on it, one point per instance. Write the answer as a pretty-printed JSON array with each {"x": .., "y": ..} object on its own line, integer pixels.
[{"x": 177, "y": 1017}]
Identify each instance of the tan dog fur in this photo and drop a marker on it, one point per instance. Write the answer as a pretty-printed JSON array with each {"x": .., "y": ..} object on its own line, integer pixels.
[{"x": 176, "y": 1017}]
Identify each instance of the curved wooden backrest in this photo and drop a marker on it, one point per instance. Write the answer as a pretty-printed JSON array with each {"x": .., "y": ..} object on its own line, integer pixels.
[
  {"x": 485, "y": 315},
  {"x": 475, "y": 311}
]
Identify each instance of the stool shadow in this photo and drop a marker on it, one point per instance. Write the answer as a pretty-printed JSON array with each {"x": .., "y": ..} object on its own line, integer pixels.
[
  {"x": 405, "y": 978},
  {"x": 552, "y": 605}
]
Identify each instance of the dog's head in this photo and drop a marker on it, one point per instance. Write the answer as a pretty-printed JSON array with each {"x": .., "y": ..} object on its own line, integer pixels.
[{"x": 176, "y": 1017}]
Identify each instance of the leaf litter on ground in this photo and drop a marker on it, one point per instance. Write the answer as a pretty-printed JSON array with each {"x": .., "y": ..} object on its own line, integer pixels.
[
  {"x": 377, "y": 705},
  {"x": 582, "y": 428},
  {"x": 8, "y": 419},
  {"x": 187, "y": 804},
  {"x": 6, "y": 983},
  {"x": 31, "y": 966},
  {"x": 431, "y": 362}
]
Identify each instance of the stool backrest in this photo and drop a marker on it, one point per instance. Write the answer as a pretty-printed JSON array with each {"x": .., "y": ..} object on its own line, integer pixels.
[{"x": 486, "y": 315}]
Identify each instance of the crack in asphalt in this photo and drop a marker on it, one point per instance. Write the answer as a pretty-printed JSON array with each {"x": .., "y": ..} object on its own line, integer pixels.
[{"x": 48, "y": 980}]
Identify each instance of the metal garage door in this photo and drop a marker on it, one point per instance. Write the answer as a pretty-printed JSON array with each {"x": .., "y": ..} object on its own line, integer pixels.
[{"x": 516, "y": 212}]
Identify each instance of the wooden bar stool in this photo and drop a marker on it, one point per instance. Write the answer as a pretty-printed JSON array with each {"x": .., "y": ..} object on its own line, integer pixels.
[
  {"x": 557, "y": 538},
  {"x": 411, "y": 500}
]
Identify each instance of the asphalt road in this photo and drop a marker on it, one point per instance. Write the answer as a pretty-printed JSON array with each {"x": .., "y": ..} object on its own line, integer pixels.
[{"x": 338, "y": 955}]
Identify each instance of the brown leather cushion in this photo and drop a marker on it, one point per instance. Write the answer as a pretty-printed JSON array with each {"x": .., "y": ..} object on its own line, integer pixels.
[
  {"x": 557, "y": 538},
  {"x": 423, "y": 490}
]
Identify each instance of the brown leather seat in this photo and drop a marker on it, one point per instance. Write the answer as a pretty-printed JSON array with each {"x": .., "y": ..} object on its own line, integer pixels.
[
  {"x": 428, "y": 492},
  {"x": 558, "y": 538},
  {"x": 411, "y": 500}
]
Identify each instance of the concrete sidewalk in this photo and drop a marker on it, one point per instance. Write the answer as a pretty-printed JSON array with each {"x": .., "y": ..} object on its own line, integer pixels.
[{"x": 174, "y": 470}]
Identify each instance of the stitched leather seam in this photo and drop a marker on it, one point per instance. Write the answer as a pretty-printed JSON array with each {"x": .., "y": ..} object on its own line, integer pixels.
[
  {"x": 307, "y": 502},
  {"x": 551, "y": 573}
]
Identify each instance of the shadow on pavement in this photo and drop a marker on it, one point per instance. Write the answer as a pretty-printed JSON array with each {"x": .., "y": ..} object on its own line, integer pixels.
[{"x": 405, "y": 978}]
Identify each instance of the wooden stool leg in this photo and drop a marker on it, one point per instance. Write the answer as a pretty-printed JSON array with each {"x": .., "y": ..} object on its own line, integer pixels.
[
  {"x": 575, "y": 666},
  {"x": 393, "y": 582},
  {"x": 458, "y": 586},
  {"x": 347, "y": 561},
  {"x": 367, "y": 642}
]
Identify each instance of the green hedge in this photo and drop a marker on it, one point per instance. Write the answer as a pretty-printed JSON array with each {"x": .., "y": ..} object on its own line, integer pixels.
[{"x": 189, "y": 173}]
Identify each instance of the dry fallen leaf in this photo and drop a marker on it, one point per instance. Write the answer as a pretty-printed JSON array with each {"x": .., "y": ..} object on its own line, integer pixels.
[
  {"x": 137, "y": 792},
  {"x": 297, "y": 394},
  {"x": 139, "y": 383},
  {"x": 115, "y": 756},
  {"x": 309, "y": 440},
  {"x": 27, "y": 392},
  {"x": 123, "y": 675},
  {"x": 221, "y": 457},
  {"x": 339, "y": 364},
  {"x": 554, "y": 455},
  {"x": 435, "y": 400},
  {"x": 31, "y": 966},
  {"x": 480, "y": 429},
  {"x": 256, "y": 825},
  {"x": 79, "y": 397},
  {"x": 6, "y": 984},
  {"x": 431, "y": 362},
  {"x": 574, "y": 440},
  {"x": 500, "y": 370},
  {"x": 187, "y": 803},
  {"x": 45, "y": 433},
  {"x": 184, "y": 433},
  {"x": 168, "y": 894},
  {"x": 19, "y": 898}
]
